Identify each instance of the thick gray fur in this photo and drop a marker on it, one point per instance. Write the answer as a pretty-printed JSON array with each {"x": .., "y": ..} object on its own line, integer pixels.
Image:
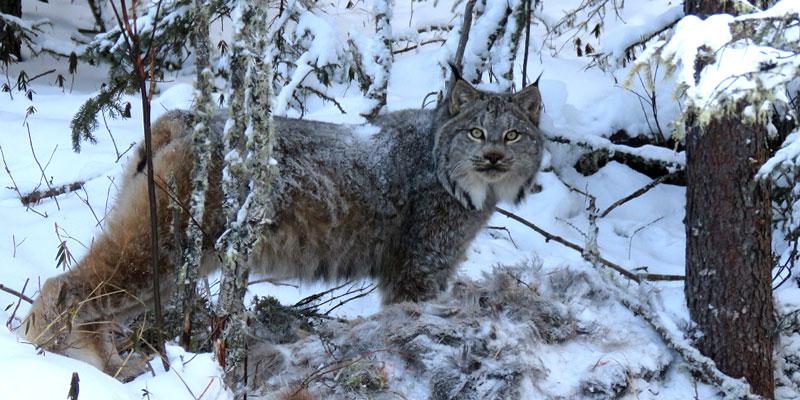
[
  {"x": 398, "y": 202},
  {"x": 402, "y": 204}
]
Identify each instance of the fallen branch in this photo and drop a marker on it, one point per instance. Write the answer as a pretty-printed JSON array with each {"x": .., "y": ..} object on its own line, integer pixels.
[
  {"x": 697, "y": 362},
  {"x": 605, "y": 150},
  {"x": 636, "y": 277},
  {"x": 36, "y": 196}
]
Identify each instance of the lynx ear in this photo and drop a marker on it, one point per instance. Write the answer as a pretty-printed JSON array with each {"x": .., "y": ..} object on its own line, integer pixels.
[
  {"x": 530, "y": 100},
  {"x": 462, "y": 93}
]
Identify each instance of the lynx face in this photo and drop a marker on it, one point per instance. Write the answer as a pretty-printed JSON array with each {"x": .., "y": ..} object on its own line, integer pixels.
[{"x": 490, "y": 149}]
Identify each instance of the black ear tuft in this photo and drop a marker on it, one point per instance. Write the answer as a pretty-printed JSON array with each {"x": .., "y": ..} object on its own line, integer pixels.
[
  {"x": 456, "y": 73},
  {"x": 536, "y": 82}
]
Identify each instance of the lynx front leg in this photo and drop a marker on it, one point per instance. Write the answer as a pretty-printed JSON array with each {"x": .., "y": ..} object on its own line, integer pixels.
[
  {"x": 419, "y": 277},
  {"x": 430, "y": 248}
]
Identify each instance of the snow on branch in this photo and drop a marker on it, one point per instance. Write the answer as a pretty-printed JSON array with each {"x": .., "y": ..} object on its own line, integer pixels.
[
  {"x": 381, "y": 56},
  {"x": 413, "y": 38},
  {"x": 323, "y": 56},
  {"x": 506, "y": 50},
  {"x": 786, "y": 158},
  {"x": 27, "y": 32},
  {"x": 176, "y": 22},
  {"x": 485, "y": 31},
  {"x": 645, "y": 306},
  {"x": 618, "y": 44},
  {"x": 724, "y": 60}
]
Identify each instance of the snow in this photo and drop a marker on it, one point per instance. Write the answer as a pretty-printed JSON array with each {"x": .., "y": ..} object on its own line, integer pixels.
[
  {"x": 581, "y": 105},
  {"x": 734, "y": 67},
  {"x": 616, "y": 41}
]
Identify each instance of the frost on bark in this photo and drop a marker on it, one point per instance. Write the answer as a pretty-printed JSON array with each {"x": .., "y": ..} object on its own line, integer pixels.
[
  {"x": 248, "y": 165},
  {"x": 728, "y": 241},
  {"x": 202, "y": 149},
  {"x": 382, "y": 57}
]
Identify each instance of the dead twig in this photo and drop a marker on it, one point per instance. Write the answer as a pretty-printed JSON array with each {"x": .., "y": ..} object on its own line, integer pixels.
[
  {"x": 644, "y": 189},
  {"x": 15, "y": 244},
  {"x": 323, "y": 96},
  {"x": 14, "y": 313},
  {"x": 21, "y": 296},
  {"x": 639, "y": 229},
  {"x": 74, "y": 387},
  {"x": 417, "y": 45},
  {"x": 85, "y": 200},
  {"x": 362, "y": 292},
  {"x": 616, "y": 267},
  {"x": 41, "y": 169},
  {"x": 16, "y": 188},
  {"x": 114, "y": 141},
  {"x": 503, "y": 228},
  {"x": 271, "y": 281}
]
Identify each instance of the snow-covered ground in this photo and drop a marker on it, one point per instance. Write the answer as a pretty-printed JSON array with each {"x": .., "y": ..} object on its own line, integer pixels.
[{"x": 578, "y": 102}]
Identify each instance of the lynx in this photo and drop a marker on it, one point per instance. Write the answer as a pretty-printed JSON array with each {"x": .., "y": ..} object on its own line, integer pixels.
[{"x": 398, "y": 201}]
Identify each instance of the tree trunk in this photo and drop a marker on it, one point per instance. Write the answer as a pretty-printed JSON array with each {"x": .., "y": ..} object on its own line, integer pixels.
[
  {"x": 10, "y": 44},
  {"x": 728, "y": 241}
]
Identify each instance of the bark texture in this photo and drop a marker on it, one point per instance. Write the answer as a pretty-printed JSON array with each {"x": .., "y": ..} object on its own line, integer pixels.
[
  {"x": 10, "y": 44},
  {"x": 728, "y": 240},
  {"x": 728, "y": 254}
]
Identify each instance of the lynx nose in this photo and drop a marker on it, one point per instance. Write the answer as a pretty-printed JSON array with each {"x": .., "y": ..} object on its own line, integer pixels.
[{"x": 493, "y": 157}]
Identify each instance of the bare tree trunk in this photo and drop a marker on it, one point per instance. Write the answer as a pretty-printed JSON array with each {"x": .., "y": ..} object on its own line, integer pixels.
[
  {"x": 10, "y": 43},
  {"x": 728, "y": 242}
]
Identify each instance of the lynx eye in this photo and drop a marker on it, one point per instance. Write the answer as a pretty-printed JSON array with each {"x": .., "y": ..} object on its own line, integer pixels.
[
  {"x": 476, "y": 134},
  {"x": 512, "y": 136}
]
